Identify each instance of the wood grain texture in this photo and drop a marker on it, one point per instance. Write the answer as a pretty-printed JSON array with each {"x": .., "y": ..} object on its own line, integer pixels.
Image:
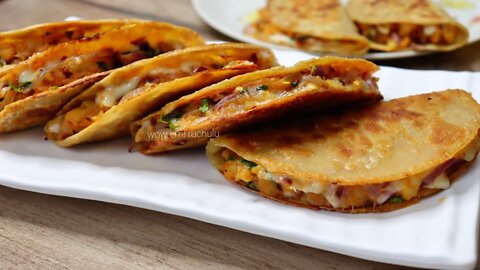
[
  {"x": 49, "y": 232},
  {"x": 42, "y": 231}
]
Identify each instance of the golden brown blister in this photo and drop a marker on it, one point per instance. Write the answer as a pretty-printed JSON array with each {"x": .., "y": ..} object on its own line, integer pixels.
[{"x": 385, "y": 149}]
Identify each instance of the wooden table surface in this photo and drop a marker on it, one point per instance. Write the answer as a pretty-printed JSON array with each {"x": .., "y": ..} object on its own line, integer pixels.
[{"x": 43, "y": 232}]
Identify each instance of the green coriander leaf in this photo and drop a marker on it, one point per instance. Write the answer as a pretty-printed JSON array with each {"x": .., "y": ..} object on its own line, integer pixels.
[
  {"x": 396, "y": 199},
  {"x": 262, "y": 87},
  {"x": 165, "y": 118},
  {"x": 171, "y": 119},
  {"x": 26, "y": 85},
  {"x": 247, "y": 163},
  {"x": 251, "y": 186},
  {"x": 14, "y": 87},
  {"x": 172, "y": 125},
  {"x": 204, "y": 105}
]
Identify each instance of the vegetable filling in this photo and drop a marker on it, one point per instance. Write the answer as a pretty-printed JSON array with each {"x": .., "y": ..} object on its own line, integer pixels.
[
  {"x": 93, "y": 108},
  {"x": 69, "y": 69},
  {"x": 402, "y": 36},
  {"x": 256, "y": 93},
  {"x": 285, "y": 188}
]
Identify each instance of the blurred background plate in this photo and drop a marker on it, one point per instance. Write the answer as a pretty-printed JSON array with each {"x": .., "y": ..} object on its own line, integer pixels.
[{"x": 230, "y": 18}]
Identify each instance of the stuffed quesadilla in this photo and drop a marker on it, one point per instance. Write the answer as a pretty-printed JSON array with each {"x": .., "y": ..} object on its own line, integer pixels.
[
  {"x": 18, "y": 45},
  {"x": 379, "y": 157},
  {"x": 311, "y": 25},
  {"x": 406, "y": 24},
  {"x": 33, "y": 87},
  {"x": 107, "y": 109},
  {"x": 246, "y": 99}
]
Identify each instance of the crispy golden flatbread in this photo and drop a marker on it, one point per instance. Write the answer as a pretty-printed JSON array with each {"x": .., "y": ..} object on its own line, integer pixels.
[
  {"x": 107, "y": 109},
  {"x": 406, "y": 24},
  {"x": 251, "y": 98},
  {"x": 41, "y": 81},
  {"x": 379, "y": 157},
  {"x": 18, "y": 45},
  {"x": 312, "y": 25}
]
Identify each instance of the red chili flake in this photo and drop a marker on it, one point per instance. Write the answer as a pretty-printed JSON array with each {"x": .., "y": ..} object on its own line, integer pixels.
[
  {"x": 67, "y": 73},
  {"x": 339, "y": 192},
  {"x": 287, "y": 181}
]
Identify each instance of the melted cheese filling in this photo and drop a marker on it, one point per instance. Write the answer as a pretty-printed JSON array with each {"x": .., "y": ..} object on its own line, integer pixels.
[
  {"x": 92, "y": 109},
  {"x": 257, "y": 93},
  {"x": 282, "y": 187},
  {"x": 403, "y": 36},
  {"x": 60, "y": 72}
]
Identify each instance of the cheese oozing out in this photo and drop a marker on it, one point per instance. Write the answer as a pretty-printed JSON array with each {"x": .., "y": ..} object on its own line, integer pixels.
[
  {"x": 111, "y": 94},
  {"x": 317, "y": 194},
  {"x": 256, "y": 93},
  {"x": 406, "y": 35}
]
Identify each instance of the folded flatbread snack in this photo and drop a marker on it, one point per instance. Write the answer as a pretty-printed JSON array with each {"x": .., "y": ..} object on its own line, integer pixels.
[
  {"x": 311, "y": 25},
  {"x": 258, "y": 96},
  {"x": 31, "y": 90},
  {"x": 107, "y": 109},
  {"x": 18, "y": 45},
  {"x": 392, "y": 25},
  {"x": 380, "y": 157}
]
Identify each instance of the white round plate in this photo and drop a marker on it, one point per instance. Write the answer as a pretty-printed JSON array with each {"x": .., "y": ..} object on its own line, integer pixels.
[{"x": 229, "y": 17}]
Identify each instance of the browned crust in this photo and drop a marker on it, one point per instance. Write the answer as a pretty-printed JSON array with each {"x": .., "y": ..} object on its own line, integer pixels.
[
  {"x": 340, "y": 64},
  {"x": 13, "y": 116},
  {"x": 26, "y": 113},
  {"x": 345, "y": 136},
  {"x": 116, "y": 120},
  {"x": 324, "y": 20},
  {"x": 307, "y": 101},
  {"x": 303, "y": 102},
  {"x": 387, "y": 207},
  {"x": 33, "y": 39}
]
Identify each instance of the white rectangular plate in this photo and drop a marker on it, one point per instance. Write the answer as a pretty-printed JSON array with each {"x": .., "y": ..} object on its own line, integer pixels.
[{"x": 439, "y": 232}]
